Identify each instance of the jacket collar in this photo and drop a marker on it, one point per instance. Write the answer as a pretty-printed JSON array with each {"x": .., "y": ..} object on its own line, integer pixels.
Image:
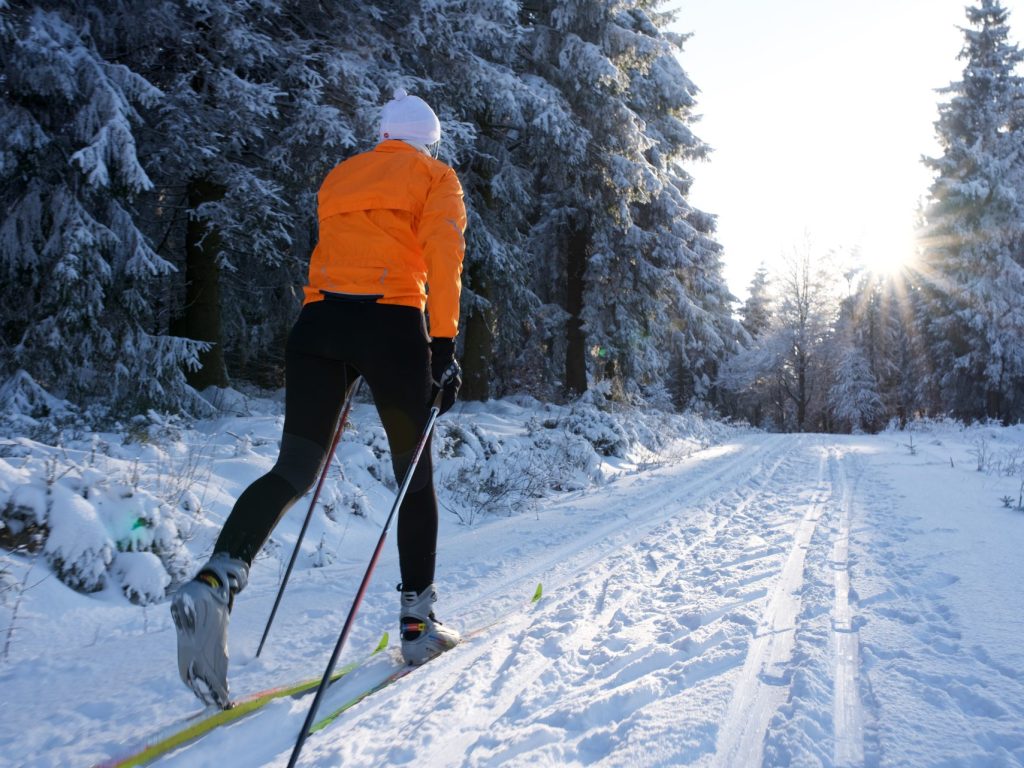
[{"x": 397, "y": 145}]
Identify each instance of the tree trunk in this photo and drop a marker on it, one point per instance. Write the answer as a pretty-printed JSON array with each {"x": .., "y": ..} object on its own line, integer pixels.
[
  {"x": 201, "y": 319},
  {"x": 801, "y": 402},
  {"x": 994, "y": 405},
  {"x": 478, "y": 352},
  {"x": 576, "y": 346}
]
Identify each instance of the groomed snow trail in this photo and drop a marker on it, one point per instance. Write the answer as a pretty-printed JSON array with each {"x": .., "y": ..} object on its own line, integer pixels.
[
  {"x": 778, "y": 600},
  {"x": 667, "y": 637},
  {"x": 705, "y": 614}
]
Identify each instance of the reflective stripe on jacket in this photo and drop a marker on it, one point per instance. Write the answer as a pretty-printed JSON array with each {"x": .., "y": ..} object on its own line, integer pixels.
[{"x": 391, "y": 223}]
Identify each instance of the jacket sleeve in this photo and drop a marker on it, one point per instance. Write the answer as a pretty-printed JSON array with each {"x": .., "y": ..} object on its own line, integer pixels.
[{"x": 441, "y": 236}]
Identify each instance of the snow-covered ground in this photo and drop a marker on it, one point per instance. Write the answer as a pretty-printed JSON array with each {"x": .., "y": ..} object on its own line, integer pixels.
[{"x": 723, "y": 597}]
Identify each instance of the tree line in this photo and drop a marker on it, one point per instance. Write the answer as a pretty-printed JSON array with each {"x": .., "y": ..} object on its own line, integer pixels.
[
  {"x": 159, "y": 165},
  {"x": 837, "y": 348}
]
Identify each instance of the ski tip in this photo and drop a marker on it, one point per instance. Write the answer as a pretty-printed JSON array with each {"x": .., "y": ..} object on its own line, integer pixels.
[
  {"x": 538, "y": 594},
  {"x": 384, "y": 640}
]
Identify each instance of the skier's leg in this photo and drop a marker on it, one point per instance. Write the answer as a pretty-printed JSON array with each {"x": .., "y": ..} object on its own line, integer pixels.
[
  {"x": 314, "y": 393},
  {"x": 398, "y": 373},
  {"x": 396, "y": 366}
]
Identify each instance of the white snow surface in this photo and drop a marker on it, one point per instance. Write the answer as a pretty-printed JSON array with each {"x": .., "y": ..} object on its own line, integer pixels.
[{"x": 732, "y": 598}]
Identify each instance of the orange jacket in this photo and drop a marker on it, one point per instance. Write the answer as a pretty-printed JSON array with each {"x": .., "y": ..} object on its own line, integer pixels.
[{"x": 391, "y": 223}]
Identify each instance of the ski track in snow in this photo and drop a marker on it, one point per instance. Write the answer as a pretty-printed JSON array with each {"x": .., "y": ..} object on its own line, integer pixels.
[
  {"x": 773, "y": 601},
  {"x": 847, "y": 712}
]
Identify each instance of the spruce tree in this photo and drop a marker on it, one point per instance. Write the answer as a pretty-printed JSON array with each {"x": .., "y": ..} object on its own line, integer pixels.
[
  {"x": 78, "y": 308},
  {"x": 854, "y": 399},
  {"x": 631, "y": 267},
  {"x": 972, "y": 263},
  {"x": 756, "y": 311},
  {"x": 240, "y": 141},
  {"x": 682, "y": 304}
]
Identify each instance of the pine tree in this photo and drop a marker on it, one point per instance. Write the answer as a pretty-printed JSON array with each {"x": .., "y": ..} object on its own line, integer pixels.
[
  {"x": 232, "y": 141},
  {"x": 681, "y": 303},
  {"x": 879, "y": 319},
  {"x": 860, "y": 356},
  {"x": 973, "y": 273},
  {"x": 756, "y": 311},
  {"x": 160, "y": 164},
  {"x": 633, "y": 270},
  {"x": 854, "y": 398},
  {"x": 79, "y": 275}
]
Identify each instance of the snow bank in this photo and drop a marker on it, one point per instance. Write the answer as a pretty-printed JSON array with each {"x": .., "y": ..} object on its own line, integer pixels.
[{"x": 136, "y": 509}]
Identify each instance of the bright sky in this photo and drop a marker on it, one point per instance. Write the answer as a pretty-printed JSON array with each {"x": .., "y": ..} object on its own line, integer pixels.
[{"x": 818, "y": 112}]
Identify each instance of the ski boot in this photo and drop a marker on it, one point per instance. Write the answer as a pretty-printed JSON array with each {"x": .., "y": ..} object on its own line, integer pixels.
[
  {"x": 423, "y": 636},
  {"x": 200, "y": 610}
]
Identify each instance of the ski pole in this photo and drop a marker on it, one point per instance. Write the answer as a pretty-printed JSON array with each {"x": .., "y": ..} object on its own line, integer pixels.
[
  {"x": 349, "y": 397},
  {"x": 435, "y": 411}
]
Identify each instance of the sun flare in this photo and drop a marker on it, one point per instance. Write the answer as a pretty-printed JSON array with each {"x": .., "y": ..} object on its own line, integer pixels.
[{"x": 888, "y": 249}]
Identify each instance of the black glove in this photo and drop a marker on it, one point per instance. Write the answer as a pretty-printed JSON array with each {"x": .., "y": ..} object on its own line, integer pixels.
[{"x": 444, "y": 372}]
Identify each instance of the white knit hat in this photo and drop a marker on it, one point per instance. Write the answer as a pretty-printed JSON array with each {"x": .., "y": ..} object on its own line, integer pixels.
[{"x": 410, "y": 119}]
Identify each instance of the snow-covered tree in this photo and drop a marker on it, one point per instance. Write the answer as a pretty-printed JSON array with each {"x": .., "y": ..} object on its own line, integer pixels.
[
  {"x": 465, "y": 64},
  {"x": 756, "y": 312},
  {"x": 160, "y": 164},
  {"x": 854, "y": 398},
  {"x": 681, "y": 299},
  {"x": 261, "y": 99},
  {"x": 877, "y": 321},
  {"x": 973, "y": 273},
  {"x": 783, "y": 378},
  {"x": 631, "y": 267},
  {"x": 807, "y": 309},
  {"x": 79, "y": 276}
]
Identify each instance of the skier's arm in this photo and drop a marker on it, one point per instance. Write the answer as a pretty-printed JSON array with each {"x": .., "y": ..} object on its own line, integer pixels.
[{"x": 440, "y": 232}]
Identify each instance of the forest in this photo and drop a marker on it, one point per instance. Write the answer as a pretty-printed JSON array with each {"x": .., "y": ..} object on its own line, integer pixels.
[{"x": 159, "y": 163}]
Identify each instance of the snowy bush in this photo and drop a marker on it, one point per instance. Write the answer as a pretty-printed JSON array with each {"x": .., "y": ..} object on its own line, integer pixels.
[
  {"x": 343, "y": 496},
  {"x": 599, "y": 428},
  {"x": 510, "y": 485},
  {"x": 27, "y": 407},
  {"x": 559, "y": 449},
  {"x": 322, "y": 557},
  {"x": 84, "y": 515},
  {"x": 142, "y": 575},
  {"x": 77, "y": 547},
  {"x": 120, "y": 512}
]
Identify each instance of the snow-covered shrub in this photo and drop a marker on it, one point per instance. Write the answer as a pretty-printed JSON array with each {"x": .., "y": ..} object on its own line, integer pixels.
[
  {"x": 343, "y": 496},
  {"x": 554, "y": 449},
  {"x": 599, "y": 428},
  {"x": 77, "y": 547},
  {"x": 82, "y": 508},
  {"x": 27, "y": 407},
  {"x": 982, "y": 453},
  {"x": 513, "y": 484},
  {"x": 461, "y": 441},
  {"x": 322, "y": 557},
  {"x": 143, "y": 578}
]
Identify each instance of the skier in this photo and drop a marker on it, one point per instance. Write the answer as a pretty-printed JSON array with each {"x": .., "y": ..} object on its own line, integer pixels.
[{"x": 391, "y": 223}]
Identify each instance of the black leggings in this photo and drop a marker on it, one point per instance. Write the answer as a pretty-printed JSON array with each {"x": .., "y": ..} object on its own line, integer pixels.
[{"x": 331, "y": 342}]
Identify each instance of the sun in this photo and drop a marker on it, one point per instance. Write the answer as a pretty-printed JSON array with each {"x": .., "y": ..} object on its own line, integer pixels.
[{"x": 889, "y": 248}]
